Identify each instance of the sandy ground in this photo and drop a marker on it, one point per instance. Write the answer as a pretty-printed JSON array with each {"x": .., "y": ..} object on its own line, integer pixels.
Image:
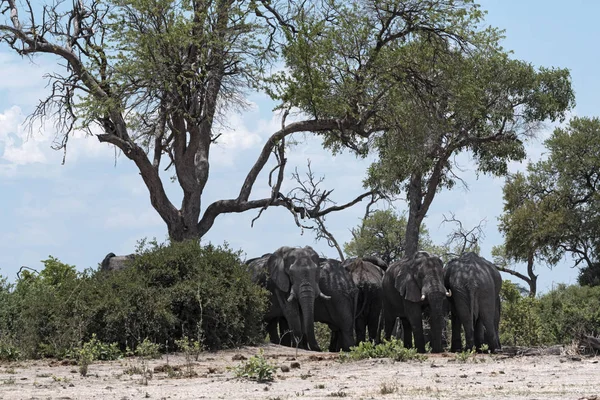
[{"x": 319, "y": 376}]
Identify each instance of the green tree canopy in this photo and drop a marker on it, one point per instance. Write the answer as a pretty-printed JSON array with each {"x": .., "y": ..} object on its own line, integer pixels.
[
  {"x": 482, "y": 102},
  {"x": 156, "y": 76},
  {"x": 554, "y": 209},
  {"x": 381, "y": 234}
]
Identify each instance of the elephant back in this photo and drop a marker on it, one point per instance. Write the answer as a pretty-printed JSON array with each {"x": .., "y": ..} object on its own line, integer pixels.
[
  {"x": 481, "y": 272},
  {"x": 364, "y": 273},
  {"x": 258, "y": 269},
  {"x": 113, "y": 262}
]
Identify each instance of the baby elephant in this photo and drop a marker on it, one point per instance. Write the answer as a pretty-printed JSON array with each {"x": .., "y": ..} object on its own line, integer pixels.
[{"x": 475, "y": 302}]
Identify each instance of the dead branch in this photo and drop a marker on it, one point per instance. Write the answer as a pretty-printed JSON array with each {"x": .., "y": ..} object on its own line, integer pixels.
[{"x": 462, "y": 238}]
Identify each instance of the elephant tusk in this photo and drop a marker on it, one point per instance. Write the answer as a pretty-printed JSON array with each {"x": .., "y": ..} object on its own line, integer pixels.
[
  {"x": 448, "y": 293},
  {"x": 324, "y": 296},
  {"x": 422, "y": 297},
  {"x": 292, "y": 296}
]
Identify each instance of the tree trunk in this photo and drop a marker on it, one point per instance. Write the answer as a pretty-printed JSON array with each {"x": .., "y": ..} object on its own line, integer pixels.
[
  {"x": 415, "y": 217},
  {"x": 532, "y": 276}
]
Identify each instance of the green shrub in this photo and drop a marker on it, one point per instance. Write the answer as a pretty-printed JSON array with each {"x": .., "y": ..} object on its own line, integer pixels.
[
  {"x": 520, "y": 323},
  {"x": 170, "y": 291},
  {"x": 387, "y": 349},
  {"x": 182, "y": 289},
  {"x": 256, "y": 368},
  {"x": 46, "y": 314},
  {"x": 570, "y": 311}
]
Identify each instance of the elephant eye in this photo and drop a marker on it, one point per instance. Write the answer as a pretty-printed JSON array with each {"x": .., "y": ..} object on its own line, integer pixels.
[{"x": 291, "y": 260}]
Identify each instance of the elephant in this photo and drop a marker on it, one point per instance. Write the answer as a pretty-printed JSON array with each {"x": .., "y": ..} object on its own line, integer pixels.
[
  {"x": 410, "y": 285},
  {"x": 377, "y": 261},
  {"x": 292, "y": 275},
  {"x": 113, "y": 262},
  {"x": 339, "y": 312},
  {"x": 277, "y": 326},
  {"x": 475, "y": 303},
  {"x": 368, "y": 279}
]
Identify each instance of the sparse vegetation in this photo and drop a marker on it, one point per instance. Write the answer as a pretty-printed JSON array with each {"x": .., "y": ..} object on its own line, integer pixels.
[
  {"x": 388, "y": 349},
  {"x": 388, "y": 388},
  {"x": 256, "y": 368}
]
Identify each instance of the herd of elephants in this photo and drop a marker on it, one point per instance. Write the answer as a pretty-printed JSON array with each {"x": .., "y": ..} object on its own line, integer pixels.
[{"x": 363, "y": 295}]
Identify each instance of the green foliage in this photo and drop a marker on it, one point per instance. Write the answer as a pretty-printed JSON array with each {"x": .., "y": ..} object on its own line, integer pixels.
[
  {"x": 520, "y": 322},
  {"x": 147, "y": 349},
  {"x": 170, "y": 291},
  {"x": 93, "y": 350},
  {"x": 570, "y": 311},
  {"x": 96, "y": 350},
  {"x": 190, "y": 347},
  {"x": 387, "y": 349},
  {"x": 183, "y": 289},
  {"x": 47, "y": 314},
  {"x": 382, "y": 234},
  {"x": 465, "y": 355},
  {"x": 589, "y": 275},
  {"x": 557, "y": 317},
  {"x": 554, "y": 210},
  {"x": 257, "y": 368}
]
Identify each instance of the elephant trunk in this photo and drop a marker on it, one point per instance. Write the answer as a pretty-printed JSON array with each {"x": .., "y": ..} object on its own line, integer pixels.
[
  {"x": 436, "y": 320},
  {"x": 306, "y": 298}
]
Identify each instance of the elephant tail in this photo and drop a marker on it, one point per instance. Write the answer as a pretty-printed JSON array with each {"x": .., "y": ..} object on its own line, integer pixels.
[{"x": 360, "y": 299}]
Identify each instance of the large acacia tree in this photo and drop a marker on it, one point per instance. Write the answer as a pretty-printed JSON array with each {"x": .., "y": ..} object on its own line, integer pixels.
[
  {"x": 155, "y": 75},
  {"x": 482, "y": 102}
]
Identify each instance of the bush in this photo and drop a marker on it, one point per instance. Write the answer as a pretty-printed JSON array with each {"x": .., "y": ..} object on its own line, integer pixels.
[
  {"x": 178, "y": 290},
  {"x": 256, "y": 368},
  {"x": 45, "y": 314},
  {"x": 557, "y": 317},
  {"x": 171, "y": 291},
  {"x": 520, "y": 322},
  {"x": 570, "y": 311},
  {"x": 387, "y": 349}
]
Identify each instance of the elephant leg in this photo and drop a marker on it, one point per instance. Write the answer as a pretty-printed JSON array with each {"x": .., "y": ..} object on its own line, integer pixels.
[
  {"x": 334, "y": 341},
  {"x": 373, "y": 325},
  {"x": 389, "y": 320},
  {"x": 361, "y": 329},
  {"x": 491, "y": 335},
  {"x": 479, "y": 334},
  {"x": 456, "y": 344},
  {"x": 272, "y": 331},
  {"x": 346, "y": 339},
  {"x": 415, "y": 323},
  {"x": 407, "y": 331},
  {"x": 463, "y": 312}
]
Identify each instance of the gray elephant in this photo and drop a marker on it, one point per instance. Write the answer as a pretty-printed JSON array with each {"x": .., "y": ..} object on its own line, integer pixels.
[
  {"x": 410, "y": 285},
  {"x": 292, "y": 275},
  {"x": 277, "y": 326},
  {"x": 113, "y": 262},
  {"x": 368, "y": 279},
  {"x": 338, "y": 312},
  {"x": 475, "y": 303}
]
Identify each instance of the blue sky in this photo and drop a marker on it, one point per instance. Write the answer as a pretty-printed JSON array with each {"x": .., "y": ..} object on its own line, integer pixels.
[{"x": 96, "y": 203}]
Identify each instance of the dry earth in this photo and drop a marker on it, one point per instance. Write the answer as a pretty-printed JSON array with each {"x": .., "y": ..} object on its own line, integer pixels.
[{"x": 319, "y": 376}]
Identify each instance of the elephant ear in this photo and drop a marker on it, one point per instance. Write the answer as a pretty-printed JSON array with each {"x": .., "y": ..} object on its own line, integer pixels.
[
  {"x": 407, "y": 286},
  {"x": 277, "y": 272}
]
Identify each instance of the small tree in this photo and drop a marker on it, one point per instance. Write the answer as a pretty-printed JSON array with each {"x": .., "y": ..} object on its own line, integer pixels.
[{"x": 381, "y": 233}]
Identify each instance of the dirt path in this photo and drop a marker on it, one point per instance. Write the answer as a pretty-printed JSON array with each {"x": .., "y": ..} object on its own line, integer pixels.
[{"x": 319, "y": 376}]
